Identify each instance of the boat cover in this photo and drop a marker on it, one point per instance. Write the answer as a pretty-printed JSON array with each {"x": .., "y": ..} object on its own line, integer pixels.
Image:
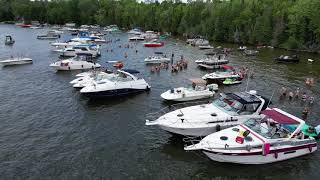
[{"x": 279, "y": 117}]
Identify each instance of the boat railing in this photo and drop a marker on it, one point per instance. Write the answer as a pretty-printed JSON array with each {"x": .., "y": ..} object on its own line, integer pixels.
[{"x": 155, "y": 115}]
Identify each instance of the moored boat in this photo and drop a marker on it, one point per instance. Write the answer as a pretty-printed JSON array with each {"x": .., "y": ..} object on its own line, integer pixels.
[
  {"x": 198, "y": 90},
  {"x": 228, "y": 110},
  {"x": 262, "y": 140},
  {"x": 16, "y": 61}
]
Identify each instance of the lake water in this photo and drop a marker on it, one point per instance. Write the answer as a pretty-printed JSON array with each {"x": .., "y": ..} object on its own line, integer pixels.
[{"x": 49, "y": 131}]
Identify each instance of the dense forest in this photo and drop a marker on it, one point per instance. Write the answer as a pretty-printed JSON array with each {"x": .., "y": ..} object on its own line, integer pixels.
[{"x": 292, "y": 24}]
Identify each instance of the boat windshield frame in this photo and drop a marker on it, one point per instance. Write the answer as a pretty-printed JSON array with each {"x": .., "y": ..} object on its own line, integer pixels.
[{"x": 233, "y": 106}]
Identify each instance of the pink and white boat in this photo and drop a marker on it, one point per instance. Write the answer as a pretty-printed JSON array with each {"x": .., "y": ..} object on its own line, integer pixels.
[{"x": 276, "y": 136}]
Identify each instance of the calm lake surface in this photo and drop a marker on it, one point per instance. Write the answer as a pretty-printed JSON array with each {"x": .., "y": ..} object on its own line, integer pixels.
[{"x": 49, "y": 131}]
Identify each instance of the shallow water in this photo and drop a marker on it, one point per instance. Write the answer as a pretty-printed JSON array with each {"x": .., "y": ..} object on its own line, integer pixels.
[{"x": 49, "y": 131}]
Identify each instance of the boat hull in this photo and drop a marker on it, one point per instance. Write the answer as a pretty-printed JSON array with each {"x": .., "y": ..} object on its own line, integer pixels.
[
  {"x": 258, "y": 158},
  {"x": 112, "y": 93}
]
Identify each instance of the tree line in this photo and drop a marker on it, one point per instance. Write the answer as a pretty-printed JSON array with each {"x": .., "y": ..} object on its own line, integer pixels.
[{"x": 291, "y": 24}]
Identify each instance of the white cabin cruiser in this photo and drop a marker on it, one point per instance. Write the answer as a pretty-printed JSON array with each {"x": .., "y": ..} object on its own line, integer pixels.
[
  {"x": 123, "y": 84},
  {"x": 212, "y": 61},
  {"x": 206, "y": 47},
  {"x": 276, "y": 136},
  {"x": 60, "y": 46},
  {"x": 15, "y": 61},
  {"x": 157, "y": 58},
  {"x": 75, "y": 63},
  {"x": 201, "y": 120},
  {"x": 49, "y": 36},
  {"x": 91, "y": 50},
  {"x": 199, "y": 90},
  {"x": 135, "y": 31},
  {"x": 98, "y": 77},
  {"x": 136, "y": 38},
  {"x": 226, "y": 72}
]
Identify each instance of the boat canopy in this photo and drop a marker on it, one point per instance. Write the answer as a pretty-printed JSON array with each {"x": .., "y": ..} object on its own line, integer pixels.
[
  {"x": 198, "y": 81},
  {"x": 131, "y": 71},
  {"x": 244, "y": 97},
  {"x": 280, "y": 117}
]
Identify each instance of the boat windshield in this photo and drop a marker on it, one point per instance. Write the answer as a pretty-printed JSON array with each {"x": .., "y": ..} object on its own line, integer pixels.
[
  {"x": 234, "y": 107},
  {"x": 267, "y": 128}
]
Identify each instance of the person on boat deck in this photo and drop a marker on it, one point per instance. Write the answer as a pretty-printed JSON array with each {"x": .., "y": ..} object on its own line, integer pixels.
[
  {"x": 308, "y": 82},
  {"x": 193, "y": 86}
]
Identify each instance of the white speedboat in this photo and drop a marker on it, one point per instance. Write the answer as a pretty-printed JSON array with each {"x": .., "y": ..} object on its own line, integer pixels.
[
  {"x": 16, "y": 61},
  {"x": 135, "y": 31},
  {"x": 201, "y": 120},
  {"x": 91, "y": 50},
  {"x": 75, "y": 63},
  {"x": 157, "y": 58},
  {"x": 96, "y": 77},
  {"x": 206, "y": 47},
  {"x": 49, "y": 36},
  {"x": 226, "y": 72},
  {"x": 150, "y": 35},
  {"x": 212, "y": 61},
  {"x": 123, "y": 84},
  {"x": 199, "y": 42},
  {"x": 242, "y": 48},
  {"x": 276, "y": 136},
  {"x": 60, "y": 46},
  {"x": 136, "y": 38},
  {"x": 84, "y": 40},
  {"x": 198, "y": 90}
]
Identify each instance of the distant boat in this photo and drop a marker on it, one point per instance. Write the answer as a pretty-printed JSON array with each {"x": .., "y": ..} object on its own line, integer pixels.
[
  {"x": 250, "y": 52},
  {"x": 310, "y": 60},
  {"x": 16, "y": 61},
  {"x": 153, "y": 43},
  {"x": 293, "y": 59},
  {"x": 206, "y": 47},
  {"x": 9, "y": 40}
]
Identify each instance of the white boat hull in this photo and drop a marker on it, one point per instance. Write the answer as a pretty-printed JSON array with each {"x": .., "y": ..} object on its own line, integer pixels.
[
  {"x": 180, "y": 97},
  {"x": 11, "y": 62},
  {"x": 70, "y": 67},
  {"x": 259, "y": 158}
]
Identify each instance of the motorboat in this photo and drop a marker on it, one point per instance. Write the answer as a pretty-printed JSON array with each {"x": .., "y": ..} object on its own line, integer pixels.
[
  {"x": 150, "y": 35},
  {"x": 126, "y": 82},
  {"x": 248, "y": 52},
  {"x": 55, "y": 31},
  {"x": 75, "y": 63},
  {"x": 232, "y": 81},
  {"x": 97, "y": 76},
  {"x": 82, "y": 39},
  {"x": 310, "y": 60},
  {"x": 91, "y": 50},
  {"x": 136, "y": 38},
  {"x": 25, "y": 25},
  {"x": 198, "y": 90},
  {"x": 224, "y": 73},
  {"x": 165, "y": 35},
  {"x": 97, "y": 39},
  {"x": 9, "y": 40},
  {"x": 157, "y": 58},
  {"x": 112, "y": 29},
  {"x": 59, "y": 46},
  {"x": 273, "y": 137},
  {"x": 153, "y": 43},
  {"x": 290, "y": 59},
  {"x": 212, "y": 61},
  {"x": 242, "y": 48},
  {"x": 228, "y": 110},
  {"x": 49, "y": 36},
  {"x": 16, "y": 61},
  {"x": 198, "y": 42},
  {"x": 135, "y": 31},
  {"x": 206, "y": 47}
]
